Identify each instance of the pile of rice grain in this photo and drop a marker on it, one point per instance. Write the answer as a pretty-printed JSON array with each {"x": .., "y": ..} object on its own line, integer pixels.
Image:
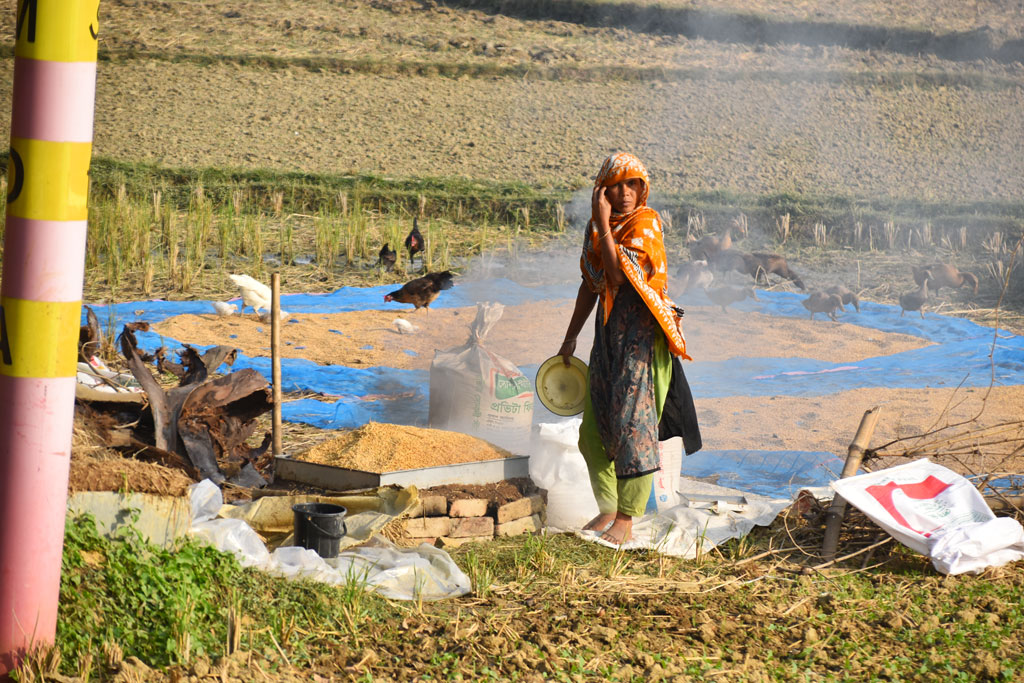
[{"x": 377, "y": 447}]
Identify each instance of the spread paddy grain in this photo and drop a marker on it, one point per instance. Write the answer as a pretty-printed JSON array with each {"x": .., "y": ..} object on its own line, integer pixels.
[{"x": 379, "y": 448}]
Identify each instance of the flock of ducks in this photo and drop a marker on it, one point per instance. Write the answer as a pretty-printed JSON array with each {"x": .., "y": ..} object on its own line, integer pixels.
[
  {"x": 715, "y": 253},
  {"x": 932, "y": 278},
  {"x": 709, "y": 254}
]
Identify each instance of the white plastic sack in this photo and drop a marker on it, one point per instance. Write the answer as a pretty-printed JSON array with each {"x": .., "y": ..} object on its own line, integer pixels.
[
  {"x": 688, "y": 531},
  {"x": 293, "y": 562},
  {"x": 556, "y": 457},
  {"x": 972, "y": 547},
  {"x": 421, "y": 573},
  {"x": 665, "y": 484},
  {"x": 936, "y": 512},
  {"x": 557, "y": 466},
  {"x": 476, "y": 391}
]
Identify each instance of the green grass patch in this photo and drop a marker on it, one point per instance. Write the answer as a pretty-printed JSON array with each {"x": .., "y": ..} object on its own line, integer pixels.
[
  {"x": 450, "y": 197},
  {"x": 553, "y": 605},
  {"x": 168, "y": 607},
  {"x": 459, "y": 198}
]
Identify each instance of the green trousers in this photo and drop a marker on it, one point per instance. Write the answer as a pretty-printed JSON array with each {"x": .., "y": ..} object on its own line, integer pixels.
[{"x": 628, "y": 496}]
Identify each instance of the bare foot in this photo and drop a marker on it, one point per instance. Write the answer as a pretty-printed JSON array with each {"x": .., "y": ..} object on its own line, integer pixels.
[
  {"x": 600, "y": 523},
  {"x": 620, "y": 531}
]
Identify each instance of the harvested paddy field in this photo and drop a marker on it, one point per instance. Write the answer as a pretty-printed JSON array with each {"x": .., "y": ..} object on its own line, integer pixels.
[
  {"x": 746, "y": 135},
  {"x": 430, "y": 90}
]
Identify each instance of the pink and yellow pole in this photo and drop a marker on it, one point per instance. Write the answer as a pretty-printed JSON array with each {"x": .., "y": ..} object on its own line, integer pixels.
[{"x": 40, "y": 307}]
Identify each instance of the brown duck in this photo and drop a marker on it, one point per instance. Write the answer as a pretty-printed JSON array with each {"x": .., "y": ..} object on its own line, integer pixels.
[
  {"x": 693, "y": 274},
  {"x": 845, "y": 295},
  {"x": 760, "y": 265},
  {"x": 730, "y": 294},
  {"x": 822, "y": 302},
  {"x": 914, "y": 301},
  {"x": 709, "y": 245},
  {"x": 945, "y": 275}
]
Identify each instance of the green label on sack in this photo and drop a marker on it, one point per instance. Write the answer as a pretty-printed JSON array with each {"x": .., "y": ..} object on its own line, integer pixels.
[{"x": 510, "y": 387}]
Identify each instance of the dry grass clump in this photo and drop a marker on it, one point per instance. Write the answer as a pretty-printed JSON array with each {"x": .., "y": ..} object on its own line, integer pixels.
[
  {"x": 86, "y": 441},
  {"x": 377, "y": 447},
  {"x": 97, "y": 467},
  {"x": 127, "y": 476}
]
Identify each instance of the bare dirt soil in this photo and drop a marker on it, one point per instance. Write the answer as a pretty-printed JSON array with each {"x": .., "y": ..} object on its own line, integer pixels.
[
  {"x": 828, "y": 423},
  {"x": 496, "y": 494}
]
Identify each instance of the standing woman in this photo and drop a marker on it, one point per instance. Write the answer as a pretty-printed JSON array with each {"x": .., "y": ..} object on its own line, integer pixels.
[{"x": 637, "y": 332}]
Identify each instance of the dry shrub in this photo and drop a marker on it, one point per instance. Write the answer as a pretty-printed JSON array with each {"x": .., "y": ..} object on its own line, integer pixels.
[{"x": 86, "y": 442}]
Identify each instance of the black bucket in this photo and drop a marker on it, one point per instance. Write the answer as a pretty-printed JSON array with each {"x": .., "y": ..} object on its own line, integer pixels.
[{"x": 319, "y": 527}]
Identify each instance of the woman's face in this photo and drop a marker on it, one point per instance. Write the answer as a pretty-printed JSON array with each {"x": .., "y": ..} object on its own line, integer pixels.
[{"x": 623, "y": 196}]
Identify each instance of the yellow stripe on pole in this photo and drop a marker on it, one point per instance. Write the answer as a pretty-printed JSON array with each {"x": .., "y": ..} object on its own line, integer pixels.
[
  {"x": 57, "y": 30},
  {"x": 39, "y": 338},
  {"x": 48, "y": 180}
]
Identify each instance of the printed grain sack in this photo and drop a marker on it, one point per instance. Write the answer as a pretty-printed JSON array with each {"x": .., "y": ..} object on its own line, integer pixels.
[{"x": 478, "y": 392}]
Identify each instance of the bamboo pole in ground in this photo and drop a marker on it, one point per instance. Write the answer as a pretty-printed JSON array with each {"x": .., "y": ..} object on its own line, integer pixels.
[
  {"x": 854, "y": 455},
  {"x": 275, "y": 357}
]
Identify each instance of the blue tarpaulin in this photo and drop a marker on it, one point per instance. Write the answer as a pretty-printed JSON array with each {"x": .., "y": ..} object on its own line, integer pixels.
[
  {"x": 959, "y": 354},
  {"x": 340, "y": 301},
  {"x": 776, "y": 474}
]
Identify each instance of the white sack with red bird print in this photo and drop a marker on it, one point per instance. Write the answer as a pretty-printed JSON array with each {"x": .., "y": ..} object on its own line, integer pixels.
[{"x": 937, "y": 512}]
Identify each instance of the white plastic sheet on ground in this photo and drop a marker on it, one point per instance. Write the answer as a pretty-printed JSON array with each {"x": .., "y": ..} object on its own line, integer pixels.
[
  {"x": 938, "y": 513},
  {"x": 682, "y": 530},
  {"x": 423, "y": 573},
  {"x": 688, "y": 530}
]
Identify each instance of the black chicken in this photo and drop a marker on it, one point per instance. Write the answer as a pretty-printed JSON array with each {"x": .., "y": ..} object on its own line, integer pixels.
[
  {"x": 423, "y": 290},
  {"x": 386, "y": 257},
  {"x": 414, "y": 240}
]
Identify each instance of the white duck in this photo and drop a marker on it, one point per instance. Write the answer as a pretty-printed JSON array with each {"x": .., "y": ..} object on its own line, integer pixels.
[
  {"x": 254, "y": 293},
  {"x": 404, "y": 326},
  {"x": 265, "y": 315},
  {"x": 224, "y": 308}
]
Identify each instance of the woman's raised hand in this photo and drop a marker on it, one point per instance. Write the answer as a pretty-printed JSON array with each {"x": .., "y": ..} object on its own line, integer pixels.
[{"x": 600, "y": 207}]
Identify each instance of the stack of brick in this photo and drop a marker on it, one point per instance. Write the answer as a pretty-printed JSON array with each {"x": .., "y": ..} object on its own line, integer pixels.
[{"x": 451, "y": 523}]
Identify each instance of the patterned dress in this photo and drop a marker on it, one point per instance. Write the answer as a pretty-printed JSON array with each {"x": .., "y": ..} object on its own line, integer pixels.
[{"x": 622, "y": 385}]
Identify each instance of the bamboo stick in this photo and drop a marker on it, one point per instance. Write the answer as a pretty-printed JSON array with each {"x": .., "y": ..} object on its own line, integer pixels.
[
  {"x": 275, "y": 357},
  {"x": 854, "y": 454}
]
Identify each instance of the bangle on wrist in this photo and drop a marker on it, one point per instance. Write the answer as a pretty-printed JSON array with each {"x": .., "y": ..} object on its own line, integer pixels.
[{"x": 566, "y": 341}]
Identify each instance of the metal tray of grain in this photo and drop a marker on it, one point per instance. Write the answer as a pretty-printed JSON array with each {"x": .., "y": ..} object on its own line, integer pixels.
[{"x": 342, "y": 479}]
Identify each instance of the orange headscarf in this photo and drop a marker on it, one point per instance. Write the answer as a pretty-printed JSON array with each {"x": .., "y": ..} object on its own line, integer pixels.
[{"x": 641, "y": 250}]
